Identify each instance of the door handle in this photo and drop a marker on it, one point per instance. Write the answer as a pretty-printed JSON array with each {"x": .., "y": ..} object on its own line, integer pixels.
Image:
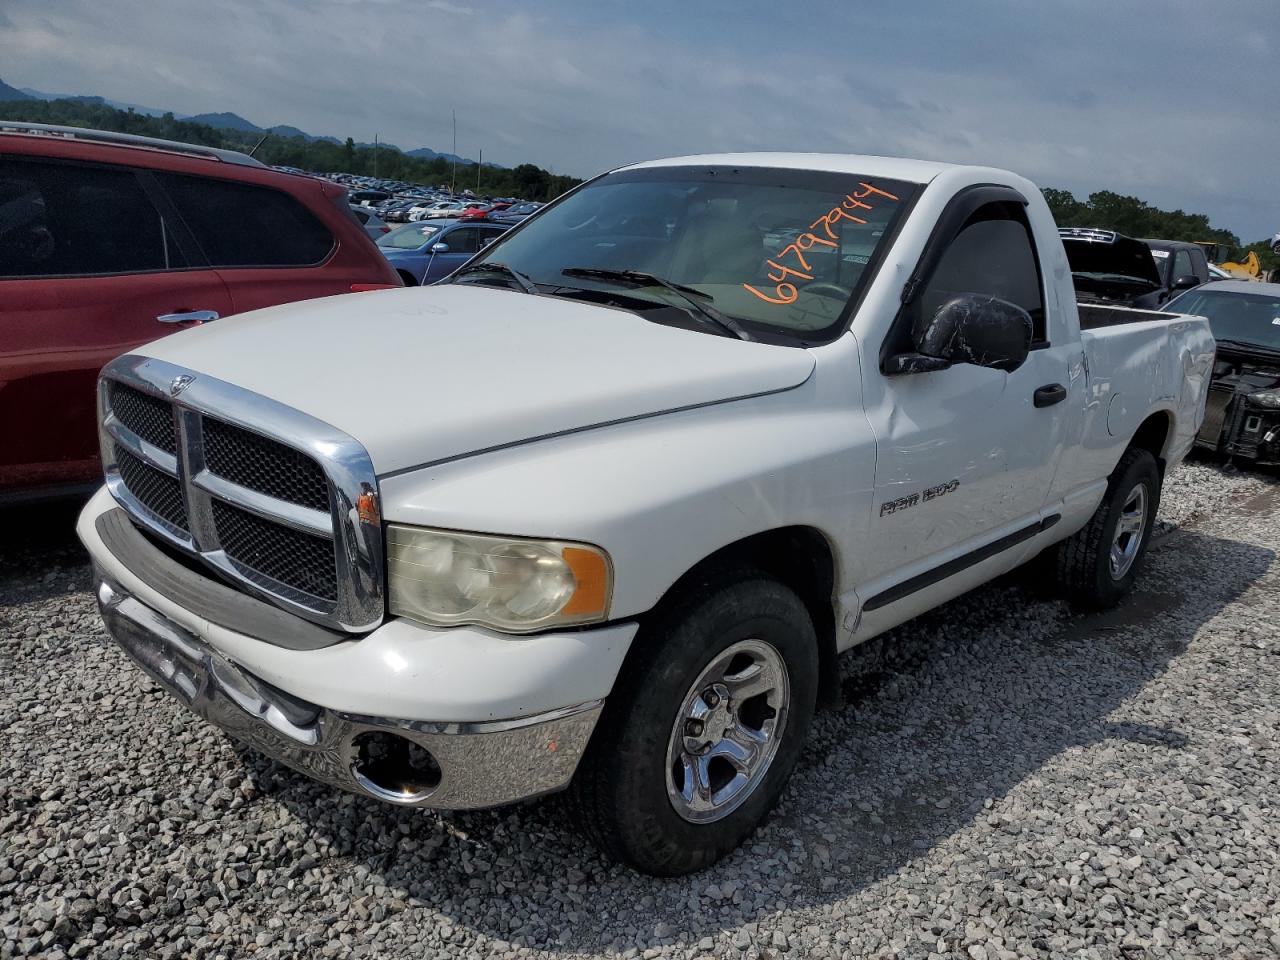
[
  {"x": 1049, "y": 394},
  {"x": 189, "y": 316}
]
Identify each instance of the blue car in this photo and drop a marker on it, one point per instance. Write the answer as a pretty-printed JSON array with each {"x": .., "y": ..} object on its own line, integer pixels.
[{"x": 427, "y": 251}]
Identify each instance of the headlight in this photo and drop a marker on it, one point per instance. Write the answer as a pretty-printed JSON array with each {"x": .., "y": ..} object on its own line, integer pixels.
[
  {"x": 516, "y": 586},
  {"x": 1267, "y": 398}
]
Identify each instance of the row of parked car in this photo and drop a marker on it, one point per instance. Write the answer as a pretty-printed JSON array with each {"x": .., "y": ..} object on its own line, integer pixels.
[{"x": 412, "y": 209}]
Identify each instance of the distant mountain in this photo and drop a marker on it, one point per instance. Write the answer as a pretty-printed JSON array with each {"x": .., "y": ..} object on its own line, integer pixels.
[
  {"x": 226, "y": 121},
  {"x": 426, "y": 153},
  {"x": 85, "y": 98},
  {"x": 13, "y": 93},
  {"x": 284, "y": 130}
]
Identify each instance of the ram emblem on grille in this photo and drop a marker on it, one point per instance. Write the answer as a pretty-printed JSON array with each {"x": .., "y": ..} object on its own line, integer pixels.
[{"x": 180, "y": 383}]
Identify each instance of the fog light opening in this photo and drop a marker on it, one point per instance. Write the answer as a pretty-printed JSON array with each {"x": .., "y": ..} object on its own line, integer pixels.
[{"x": 394, "y": 768}]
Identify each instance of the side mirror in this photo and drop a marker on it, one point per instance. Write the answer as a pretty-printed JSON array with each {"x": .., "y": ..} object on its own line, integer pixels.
[
  {"x": 440, "y": 248},
  {"x": 972, "y": 328},
  {"x": 1186, "y": 282}
]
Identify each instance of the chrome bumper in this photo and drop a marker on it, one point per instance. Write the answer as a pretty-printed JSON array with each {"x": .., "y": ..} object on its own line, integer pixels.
[{"x": 451, "y": 766}]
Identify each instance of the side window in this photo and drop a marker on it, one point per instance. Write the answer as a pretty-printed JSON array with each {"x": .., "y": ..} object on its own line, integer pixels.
[
  {"x": 1182, "y": 265},
  {"x": 463, "y": 240},
  {"x": 993, "y": 254},
  {"x": 245, "y": 225},
  {"x": 487, "y": 236},
  {"x": 67, "y": 220},
  {"x": 1200, "y": 265}
]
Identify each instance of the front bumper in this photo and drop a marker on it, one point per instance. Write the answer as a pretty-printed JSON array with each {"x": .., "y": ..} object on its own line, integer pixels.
[
  {"x": 412, "y": 762},
  {"x": 1240, "y": 429}
]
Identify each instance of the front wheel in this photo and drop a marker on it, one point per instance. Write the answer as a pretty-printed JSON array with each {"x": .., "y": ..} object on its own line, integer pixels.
[
  {"x": 1098, "y": 564},
  {"x": 703, "y": 728}
]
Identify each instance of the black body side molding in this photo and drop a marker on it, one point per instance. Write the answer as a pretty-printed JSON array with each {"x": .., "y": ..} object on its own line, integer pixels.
[{"x": 952, "y": 567}]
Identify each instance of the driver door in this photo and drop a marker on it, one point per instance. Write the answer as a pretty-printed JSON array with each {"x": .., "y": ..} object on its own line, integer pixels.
[{"x": 965, "y": 456}]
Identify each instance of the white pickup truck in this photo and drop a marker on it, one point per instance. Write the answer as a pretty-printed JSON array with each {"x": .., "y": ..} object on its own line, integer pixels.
[{"x": 601, "y": 510}]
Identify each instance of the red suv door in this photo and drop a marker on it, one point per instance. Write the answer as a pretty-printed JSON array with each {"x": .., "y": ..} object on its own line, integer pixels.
[{"x": 90, "y": 267}]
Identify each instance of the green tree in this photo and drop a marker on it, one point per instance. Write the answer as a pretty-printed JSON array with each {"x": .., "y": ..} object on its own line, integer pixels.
[{"x": 1136, "y": 218}]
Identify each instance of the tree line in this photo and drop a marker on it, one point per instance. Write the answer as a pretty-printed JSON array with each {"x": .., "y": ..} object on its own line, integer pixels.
[{"x": 526, "y": 181}]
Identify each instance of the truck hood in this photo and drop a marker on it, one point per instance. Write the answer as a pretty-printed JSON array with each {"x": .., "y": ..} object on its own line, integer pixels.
[
  {"x": 1105, "y": 253},
  {"x": 428, "y": 374}
]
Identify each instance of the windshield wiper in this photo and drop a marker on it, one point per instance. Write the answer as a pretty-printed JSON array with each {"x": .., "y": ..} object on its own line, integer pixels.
[
  {"x": 686, "y": 294},
  {"x": 525, "y": 283},
  {"x": 1112, "y": 278}
]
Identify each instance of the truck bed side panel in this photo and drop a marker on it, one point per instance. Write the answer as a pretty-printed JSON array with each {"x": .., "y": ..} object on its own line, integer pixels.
[{"x": 1136, "y": 369}]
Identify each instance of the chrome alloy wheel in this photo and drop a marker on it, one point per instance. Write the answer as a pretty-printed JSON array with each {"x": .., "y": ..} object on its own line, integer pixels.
[
  {"x": 727, "y": 731},
  {"x": 1129, "y": 531}
]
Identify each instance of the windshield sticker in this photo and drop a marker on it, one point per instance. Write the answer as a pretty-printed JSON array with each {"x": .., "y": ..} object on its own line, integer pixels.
[
  {"x": 1275, "y": 321},
  {"x": 1160, "y": 254},
  {"x": 784, "y": 290}
]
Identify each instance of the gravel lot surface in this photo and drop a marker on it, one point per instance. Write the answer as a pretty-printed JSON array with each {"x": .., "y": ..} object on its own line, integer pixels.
[{"x": 1006, "y": 779}]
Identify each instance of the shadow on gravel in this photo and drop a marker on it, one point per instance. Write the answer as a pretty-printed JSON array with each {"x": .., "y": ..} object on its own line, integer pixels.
[
  {"x": 941, "y": 719},
  {"x": 40, "y": 539}
]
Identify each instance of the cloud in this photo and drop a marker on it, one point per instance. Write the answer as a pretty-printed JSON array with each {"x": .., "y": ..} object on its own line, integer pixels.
[{"x": 1083, "y": 96}]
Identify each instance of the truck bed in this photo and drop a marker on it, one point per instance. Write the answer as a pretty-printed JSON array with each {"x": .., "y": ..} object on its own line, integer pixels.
[{"x": 1095, "y": 315}]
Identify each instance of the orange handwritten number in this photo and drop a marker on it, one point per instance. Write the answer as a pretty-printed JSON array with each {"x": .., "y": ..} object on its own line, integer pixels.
[
  {"x": 868, "y": 190},
  {"x": 787, "y": 272},
  {"x": 786, "y": 292}
]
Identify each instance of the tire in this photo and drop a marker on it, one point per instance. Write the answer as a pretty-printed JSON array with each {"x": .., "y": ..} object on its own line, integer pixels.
[
  {"x": 1085, "y": 561},
  {"x": 622, "y": 794},
  {"x": 408, "y": 278}
]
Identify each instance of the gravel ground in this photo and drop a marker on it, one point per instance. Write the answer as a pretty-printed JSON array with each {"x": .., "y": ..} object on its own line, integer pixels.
[{"x": 1005, "y": 779}]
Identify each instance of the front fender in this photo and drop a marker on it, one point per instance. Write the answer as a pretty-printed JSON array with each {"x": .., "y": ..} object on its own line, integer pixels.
[{"x": 663, "y": 493}]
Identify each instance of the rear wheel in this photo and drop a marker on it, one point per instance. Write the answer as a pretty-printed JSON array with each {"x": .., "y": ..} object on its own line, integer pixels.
[
  {"x": 1098, "y": 564},
  {"x": 703, "y": 728}
]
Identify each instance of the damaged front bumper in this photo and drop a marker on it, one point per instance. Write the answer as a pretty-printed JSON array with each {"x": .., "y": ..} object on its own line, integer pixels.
[
  {"x": 412, "y": 762},
  {"x": 1234, "y": 426}
]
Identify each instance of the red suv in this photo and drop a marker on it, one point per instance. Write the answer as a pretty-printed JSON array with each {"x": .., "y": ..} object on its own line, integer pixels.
[{"x": 108, "y": 241}]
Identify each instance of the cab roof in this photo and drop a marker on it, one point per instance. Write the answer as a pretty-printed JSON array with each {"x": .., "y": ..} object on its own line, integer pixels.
[{"x": 895, "y": 168}]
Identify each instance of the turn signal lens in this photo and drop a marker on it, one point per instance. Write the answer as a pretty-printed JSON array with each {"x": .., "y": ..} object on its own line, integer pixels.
[{"x": 512, "y": 585}]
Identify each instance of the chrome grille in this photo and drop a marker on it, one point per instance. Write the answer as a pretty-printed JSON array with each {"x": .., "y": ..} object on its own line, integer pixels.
[
  {"x": 156, "y": 490},
  {"x": 149, "y": 417},
  {"x": 253, "y": 461},
  {"x": 280, "y": 503},
  {"x": 292, "y": 558}
]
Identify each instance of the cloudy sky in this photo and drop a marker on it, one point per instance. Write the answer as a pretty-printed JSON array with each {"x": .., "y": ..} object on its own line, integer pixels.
[{"x": 1172, "y": 102}]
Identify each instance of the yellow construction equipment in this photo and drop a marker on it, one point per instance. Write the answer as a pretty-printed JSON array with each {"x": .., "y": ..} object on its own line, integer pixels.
[{"x": 1249, "y": 269}]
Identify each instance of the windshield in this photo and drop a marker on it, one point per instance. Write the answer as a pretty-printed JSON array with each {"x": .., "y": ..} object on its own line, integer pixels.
[
  {"x": 409, "y": 237},
  {"x": 1244, "y": 317},
  {"x": 780, "y": 251}
]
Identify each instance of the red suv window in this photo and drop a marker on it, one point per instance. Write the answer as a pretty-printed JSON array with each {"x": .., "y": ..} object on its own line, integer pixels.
[
  {"x": 244, "y": 225},
  {"x": 68, "y": 219}
]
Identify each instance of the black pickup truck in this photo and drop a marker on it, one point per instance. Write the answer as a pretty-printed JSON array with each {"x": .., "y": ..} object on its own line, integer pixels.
[{"x": 1110, "y": 268}]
